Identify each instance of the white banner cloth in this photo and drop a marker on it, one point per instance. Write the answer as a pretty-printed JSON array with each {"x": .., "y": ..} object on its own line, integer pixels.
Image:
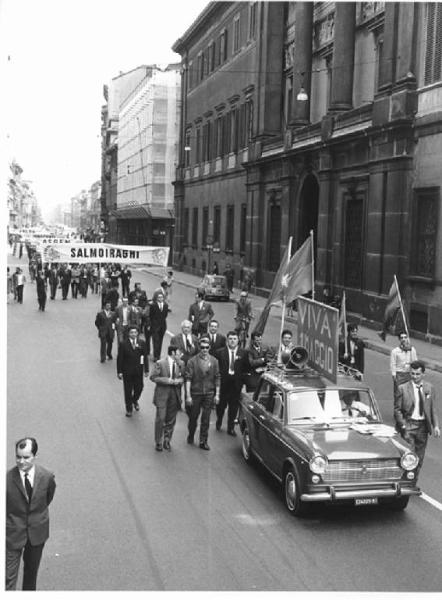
[{"x": 76, "y": 252}]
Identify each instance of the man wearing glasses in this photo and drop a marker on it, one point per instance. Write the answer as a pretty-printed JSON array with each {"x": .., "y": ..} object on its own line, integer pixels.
[{"x": 202, "y": 388}]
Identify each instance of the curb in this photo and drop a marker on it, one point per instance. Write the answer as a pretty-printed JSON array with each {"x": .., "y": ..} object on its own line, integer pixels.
[{"x": 429, "y": 364}]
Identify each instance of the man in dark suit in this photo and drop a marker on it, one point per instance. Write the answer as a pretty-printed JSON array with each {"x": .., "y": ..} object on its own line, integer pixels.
[
  {"x": 217, "y": 340},
  {"x": 186, "y": 342},
  {"x": 64, "y": 274},
  {"x": 168, "y": 375},
  {"x": 105, "y": 323},
  {"x": 200, "y": 313},
  {"x": 53, "y": 278},
  {"x": 352, "y": 353},
  {"x": 258, "y": 356},
  {"x": 415, "y": 410},
  {"x": 29, "y": 491},
  {"x": 157, "y": 314},
  {"x": 232, "y": 366},
  {"x": 132, "y": 364}
]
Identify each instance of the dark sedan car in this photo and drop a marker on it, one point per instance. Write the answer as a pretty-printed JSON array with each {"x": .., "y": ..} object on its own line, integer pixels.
[
  {"x": 214, "y": 287},
  {"x": 325, "y": 442}
]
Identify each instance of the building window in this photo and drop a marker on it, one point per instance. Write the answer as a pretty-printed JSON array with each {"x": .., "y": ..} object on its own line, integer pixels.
[
  {"x": 226, "y": 133},
  {"x": 274, "y": 252},
  {"x": 379, "y": 46},
  {"x": 217, "y": 225},
  {"x": 234, "y": 113},
  {"x": 353, "y": 247},
  {"x": 195, "y": 228},
  {"x": 223, "y": 47},
  {"x": 424, "y": 243},
  {"x": 198, "y": 145},
  {"x": 288, "y": 100},
  {"x": 236, "y": 34},
  {"x": 200, "y": 67},
  {"x": 329, "y": 67},
  {"x": 187, "y": 148},
  {"x": 230, "y": 227},
  {"x": 206, "y": 142},
  {"x": 211, "y": 61},
  {"x": 242, "y": 237},
  {"x": 186, "y": 227},
  {"x": 205, "y": 225},
  {"x": 433, "y": 50},
  {"x": 252, "y": 20}
]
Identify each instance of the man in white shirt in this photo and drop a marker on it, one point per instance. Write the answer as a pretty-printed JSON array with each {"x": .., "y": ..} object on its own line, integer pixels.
[
  {"x": 400, "y": 359},
  {"x": 186, "y": 341},
  {"x": 20, "y": 284}
]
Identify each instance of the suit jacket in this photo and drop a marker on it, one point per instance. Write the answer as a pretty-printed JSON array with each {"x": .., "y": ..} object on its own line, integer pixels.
[
  {"x": 158, "y": 317},
  {"x": 177, "y": 340},
  {"x": 164, "y": 390},
  {"x": 202, "y": 381},
  {"x": 200, "y": 315},
  {"x": 240, "y": 366},
  {"x": 132, "y": 361},
  {"x": 220, "y": 342},
  {"x": 358, "y": 355},
  {"x": 105, "y": 324},
  {"x": 119, "y": 315},
  {"x": 404, "y": 405},
  {"x": 28, "y": 521}
]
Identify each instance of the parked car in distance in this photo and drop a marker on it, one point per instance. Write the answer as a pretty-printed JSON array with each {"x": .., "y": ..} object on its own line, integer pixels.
[
  {"x": 215, "y": 287},
  {"x": 325, "y": 442}
]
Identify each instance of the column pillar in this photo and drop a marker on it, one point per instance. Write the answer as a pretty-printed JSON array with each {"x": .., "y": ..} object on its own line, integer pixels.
[
  {"x": 302, "y": 64},
  {"x": 343, "y": 57}
]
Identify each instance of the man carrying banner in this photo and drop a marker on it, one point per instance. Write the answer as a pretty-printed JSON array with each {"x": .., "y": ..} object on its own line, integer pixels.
[{"x": 401, "y": 358}]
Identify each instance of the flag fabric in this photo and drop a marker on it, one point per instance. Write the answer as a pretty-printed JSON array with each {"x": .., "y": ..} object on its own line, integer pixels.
[
  {"x": 391, "y": 309},
  {"x": 275, "y": 293},
  {"x": 342, "y": 327},
  {"x": 298, "y": 279}
]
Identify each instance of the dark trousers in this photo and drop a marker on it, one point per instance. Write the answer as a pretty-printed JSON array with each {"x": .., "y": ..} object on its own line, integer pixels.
[
  {"x": 157, "y": 342},
  {"x": 125, "y": 285},
  {"x": 53, "y": 286},
  {"x": 74, "y": 289},
  {"x": 133, "y": 386},
  {"x": 19, "y": 289},
  {"x": 106, "y": 342},
  {"x": 64, "y": 290},
  {"x": 417, "y": 433},
  {"x": 228, "y": 398},
  {"x": 200, "y": 404},
  {"x": 41, "y": 301},
  {"x": 165, "y": 418},
  {"x": 31, "y": 562}
]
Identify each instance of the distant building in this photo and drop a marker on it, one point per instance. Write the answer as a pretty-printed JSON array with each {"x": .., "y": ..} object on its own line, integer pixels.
[
  {"x": 23, "y": 208},
  {"x": 322, "y": 116}
]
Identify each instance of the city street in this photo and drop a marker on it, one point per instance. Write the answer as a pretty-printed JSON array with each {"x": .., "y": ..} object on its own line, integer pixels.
[{"x": 125, "y": 517}]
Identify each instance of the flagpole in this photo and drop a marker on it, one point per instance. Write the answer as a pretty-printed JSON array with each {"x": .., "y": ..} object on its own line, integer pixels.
[
  {"x": 283, "y": 301},
  {"x": 313, "y": 265},
  {"x": 401, "y": 305},
  {"x": 345, "y": 322}
]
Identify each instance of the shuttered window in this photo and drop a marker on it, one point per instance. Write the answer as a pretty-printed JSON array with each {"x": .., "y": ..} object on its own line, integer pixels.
[
  {"x": 424, "y": 243},
  {"x": 433, "y": 50}
]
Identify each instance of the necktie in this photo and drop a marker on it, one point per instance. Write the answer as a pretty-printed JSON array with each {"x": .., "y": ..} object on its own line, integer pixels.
[
  {"x": 173, "y": 371},
  {"x": 232, "y": 362},
  {"x": 421, "y": 401},
  {"x": 28, "y": 487},
  {"x": 213, "y": 338},
  {"x": 350, "y": 412},
  {"x": 188, "y": 345},
  {"x": 133, "y": 344}
]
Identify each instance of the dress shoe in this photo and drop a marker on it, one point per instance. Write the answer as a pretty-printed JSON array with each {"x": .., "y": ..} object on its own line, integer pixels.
[
  {"x": 166, "y": 445},
  {"x": 128, "y": 414},
  {"x": 136, "y": 406},
  {"x": 218, "y": 424},
  {"x": 204, "y": 446},
  {"x": 159, "y": 447},
  {"x": 231, "y": 432},
  {"x": 102, "y": 360},
  {"x": 109, "y": 357},
  {"x": 190, "y": 439}
]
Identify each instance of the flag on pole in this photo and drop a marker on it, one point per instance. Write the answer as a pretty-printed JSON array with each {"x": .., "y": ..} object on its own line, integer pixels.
[
  {"x": 275, "y": 293},
  {"x": 391, "y": 309},
  {"x": 343, "y": 322},
  {"x": 297, "y": 279}
]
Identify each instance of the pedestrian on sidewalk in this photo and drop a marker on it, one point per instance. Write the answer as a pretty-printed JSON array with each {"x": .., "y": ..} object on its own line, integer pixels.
[
  {"x": 401, "y": 358},
  {"x": 415, "y": 410},
  {"x": 168, "y": 376},
  {"x": 30, "y": 489},
  {"x": 20, "y": 284},
  {"x": 202, "y": 379},
  {"x": 105, "y": 323},
  {"x": 229, "y": 275},
  {"x": 41, "y": 290},
  {"x": 132, "y": 366}
]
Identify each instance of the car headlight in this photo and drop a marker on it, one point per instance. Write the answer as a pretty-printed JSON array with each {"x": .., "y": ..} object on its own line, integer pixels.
[
  {"x": 318, "y": 464},
  {"x": 409, "y": 461}
]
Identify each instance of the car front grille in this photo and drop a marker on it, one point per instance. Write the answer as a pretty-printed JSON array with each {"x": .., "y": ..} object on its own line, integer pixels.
[{"x": 362, "y": 470}]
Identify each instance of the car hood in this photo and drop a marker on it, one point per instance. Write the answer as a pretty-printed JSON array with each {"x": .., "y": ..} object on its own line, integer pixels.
[{"x": 351, "y": 442}]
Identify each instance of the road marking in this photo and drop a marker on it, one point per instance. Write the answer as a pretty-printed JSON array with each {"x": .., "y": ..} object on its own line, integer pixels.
[{"x": 431, "y": 501}]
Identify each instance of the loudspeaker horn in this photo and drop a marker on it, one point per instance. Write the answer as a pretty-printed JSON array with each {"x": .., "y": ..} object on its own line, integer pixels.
[{"x": 298, "y": 358}]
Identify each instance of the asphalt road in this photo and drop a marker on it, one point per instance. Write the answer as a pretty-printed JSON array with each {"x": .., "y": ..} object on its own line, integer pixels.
[{"x": 126, "y": 517}]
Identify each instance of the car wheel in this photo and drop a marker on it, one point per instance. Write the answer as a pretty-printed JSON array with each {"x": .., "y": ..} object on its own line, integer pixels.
[
  {"x": 292, "y": 494},
  {"x": 399, "y": 503},
  {"x": 246, "y": 445}
]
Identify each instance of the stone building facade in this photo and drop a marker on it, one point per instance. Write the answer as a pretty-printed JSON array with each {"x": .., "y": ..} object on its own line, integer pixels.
[{"x": 317, "y": 116}]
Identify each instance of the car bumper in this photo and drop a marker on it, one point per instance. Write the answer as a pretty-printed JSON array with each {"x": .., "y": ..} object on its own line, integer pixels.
[{"x": 335, "y": 494}]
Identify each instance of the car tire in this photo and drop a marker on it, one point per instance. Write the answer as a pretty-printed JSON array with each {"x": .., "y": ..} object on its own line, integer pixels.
[
  {"x": 291, "y": 491},
  {"x": 246, "y": 446},
  {"x": 399, "y": 503}
]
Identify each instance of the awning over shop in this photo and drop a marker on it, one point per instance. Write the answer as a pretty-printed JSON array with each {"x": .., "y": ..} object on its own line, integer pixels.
[{"x": 142, "y": 212}]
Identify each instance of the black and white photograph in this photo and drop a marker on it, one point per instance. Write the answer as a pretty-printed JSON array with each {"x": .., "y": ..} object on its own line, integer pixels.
[{"x": 223, "y": 337}]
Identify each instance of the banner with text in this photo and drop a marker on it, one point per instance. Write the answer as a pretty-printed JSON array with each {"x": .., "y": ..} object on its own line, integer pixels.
[
  {"x": 318, "y": 333},
  {"x": 76, "y": 252}
]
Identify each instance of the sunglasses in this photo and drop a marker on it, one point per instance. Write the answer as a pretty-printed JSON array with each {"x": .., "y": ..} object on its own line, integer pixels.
[{"x": 204, "y": 347}]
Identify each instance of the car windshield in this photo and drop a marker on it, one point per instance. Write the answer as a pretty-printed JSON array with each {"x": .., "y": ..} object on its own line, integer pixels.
[
  {"x": 218, "y": 280},
  {"x": 330, "y": 405}
]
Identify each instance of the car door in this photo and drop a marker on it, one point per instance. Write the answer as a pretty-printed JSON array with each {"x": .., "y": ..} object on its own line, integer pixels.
[
  {"x": 272, "y": 427},
  {"x": 258, "y": 417}
]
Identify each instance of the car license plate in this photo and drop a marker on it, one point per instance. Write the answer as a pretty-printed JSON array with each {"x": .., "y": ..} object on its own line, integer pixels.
[{"x": 365, "y": 501}]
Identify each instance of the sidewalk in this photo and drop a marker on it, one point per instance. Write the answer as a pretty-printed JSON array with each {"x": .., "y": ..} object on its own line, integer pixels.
[{"x": 431, "y": 354}]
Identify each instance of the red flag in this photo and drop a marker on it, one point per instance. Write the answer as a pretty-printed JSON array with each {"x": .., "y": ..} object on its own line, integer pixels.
[
  {"x": 297, "y": 279},
  {"x": 393, "y": 305},
  {"x": 275, "y": 293}
]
